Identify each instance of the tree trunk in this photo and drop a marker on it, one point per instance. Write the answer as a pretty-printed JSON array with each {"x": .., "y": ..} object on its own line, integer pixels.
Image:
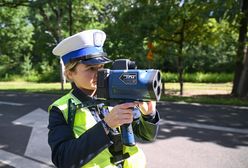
[
  {"x": 243, "y": 84},
  {"x": 58, "y": 12},
  {"x": 70, "y": 16},
  {"x": 241, "y": 51},
  {"x": 180, "y": 58},
  {"x": 180, "y": 72}
]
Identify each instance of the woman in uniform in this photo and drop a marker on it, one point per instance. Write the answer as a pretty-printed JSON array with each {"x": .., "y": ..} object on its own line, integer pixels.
[{"x": 89, "y": 136}]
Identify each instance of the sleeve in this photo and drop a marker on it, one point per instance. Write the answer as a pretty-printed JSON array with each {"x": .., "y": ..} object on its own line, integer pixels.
[
  {"x": 68, "y": 151},
  {"x": 146, "y": 127}
]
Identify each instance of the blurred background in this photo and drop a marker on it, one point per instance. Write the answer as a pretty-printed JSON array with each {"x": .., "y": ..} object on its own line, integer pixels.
[
  {"x": 200, "y": 46},
  {"x": 190, "y": 41}
]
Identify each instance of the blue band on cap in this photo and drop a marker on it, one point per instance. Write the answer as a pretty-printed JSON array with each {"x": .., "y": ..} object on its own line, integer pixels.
[{"x": 80, "y": 53}]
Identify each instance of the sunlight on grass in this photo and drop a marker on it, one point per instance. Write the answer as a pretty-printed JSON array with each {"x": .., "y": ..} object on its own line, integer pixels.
[
  {"x": 205, "y": 93},
  {"x": 33, "y": 87},
  {"x": 200, "y": 86},
  {"x": 190, "y": 89}
]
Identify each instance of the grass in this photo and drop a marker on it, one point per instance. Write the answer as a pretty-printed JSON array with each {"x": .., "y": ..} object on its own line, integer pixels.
[
  {"x": 205, "y": 93},
  {"x": 208, "y": 99},
  {"x": 31, "y": 87},
  {"x": 199, "y": 77},
  {"x": 199, "y": 88}
]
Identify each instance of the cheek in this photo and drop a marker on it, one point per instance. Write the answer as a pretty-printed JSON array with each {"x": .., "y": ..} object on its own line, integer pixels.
[
  {"x": 91, "y": 76},
  {"x": 86, "y": 79}
]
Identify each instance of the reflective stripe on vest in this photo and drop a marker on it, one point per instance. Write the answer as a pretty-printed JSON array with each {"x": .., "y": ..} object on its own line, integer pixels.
[{"x": 137, "y": 158}]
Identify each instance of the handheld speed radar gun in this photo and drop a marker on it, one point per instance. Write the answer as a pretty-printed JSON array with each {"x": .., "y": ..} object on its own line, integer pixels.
[{"x": 124, "y": 83}]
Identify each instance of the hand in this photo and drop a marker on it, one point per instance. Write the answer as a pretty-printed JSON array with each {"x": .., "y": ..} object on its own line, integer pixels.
[
  {"x": 120, "y": 114},
  {"x": 147, "y": 108}
]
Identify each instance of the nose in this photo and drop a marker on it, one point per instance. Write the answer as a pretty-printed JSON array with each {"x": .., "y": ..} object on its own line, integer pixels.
[
  {"x": 95, "y": 74},
  {"x": 96, "y": 71}
]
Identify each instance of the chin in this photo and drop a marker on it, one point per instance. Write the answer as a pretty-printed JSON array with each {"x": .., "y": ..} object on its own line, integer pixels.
[{"x": 94, "y": 87}]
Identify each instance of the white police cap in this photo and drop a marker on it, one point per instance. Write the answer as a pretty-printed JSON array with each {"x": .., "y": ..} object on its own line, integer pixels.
[{"x": 85, "y": 46}]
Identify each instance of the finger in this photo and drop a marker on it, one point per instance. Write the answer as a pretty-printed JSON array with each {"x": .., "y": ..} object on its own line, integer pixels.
[
  {"x": 120, "y": 115},
  {"x": 126, "y": 121},
  {"x": 139, "y": 102},
  {"x": 127, "y": 111},
  {"x": 119, "y": 112},
  {"x": 125, "y": 114},
  {"x": 127, "y": 105},
  {"x": 152, "y": 105}
]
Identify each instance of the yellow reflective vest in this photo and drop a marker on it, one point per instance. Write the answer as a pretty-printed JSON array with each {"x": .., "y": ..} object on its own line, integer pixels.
[{"x": 84, "y": 121}]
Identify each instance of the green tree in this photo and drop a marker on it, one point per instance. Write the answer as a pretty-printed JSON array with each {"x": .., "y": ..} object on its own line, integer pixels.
[
  {"x": 174, "y": 27},
  {"x": 52, "y": 21},
  {"x": 15, "y": 39},
  {"x": 187, "y": 35},
  {"x": 215, "y": 50}
]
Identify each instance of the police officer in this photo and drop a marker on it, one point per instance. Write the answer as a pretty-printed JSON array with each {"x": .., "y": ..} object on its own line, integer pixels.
[{"x": 79, "y": 134}]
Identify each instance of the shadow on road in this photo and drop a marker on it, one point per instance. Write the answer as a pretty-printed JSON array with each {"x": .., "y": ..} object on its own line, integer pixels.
[
  {"x": 227, "y": 139},
  {"x": 210, "y": 115},
  {"x": 220, "y": 116}
]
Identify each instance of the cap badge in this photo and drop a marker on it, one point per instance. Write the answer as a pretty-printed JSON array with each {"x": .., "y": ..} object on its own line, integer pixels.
[{"x": 98, "y": 39}]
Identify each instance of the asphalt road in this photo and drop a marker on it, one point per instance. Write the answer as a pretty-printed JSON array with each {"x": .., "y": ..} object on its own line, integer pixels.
[{"x": 190, "y": 135}]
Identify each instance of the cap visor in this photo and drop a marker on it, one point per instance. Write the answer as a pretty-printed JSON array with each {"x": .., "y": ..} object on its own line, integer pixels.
[{"x": 96, "y": 60}]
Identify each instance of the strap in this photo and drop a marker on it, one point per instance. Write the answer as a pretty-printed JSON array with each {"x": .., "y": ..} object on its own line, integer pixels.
[
  {"x": 119, "y": 159},
  {"x": 72, "y": 107},
  {"x": 116, "y": 149}
]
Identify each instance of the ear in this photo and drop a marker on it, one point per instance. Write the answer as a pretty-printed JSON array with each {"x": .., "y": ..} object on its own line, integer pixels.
[{"x": 69, "y": 75}]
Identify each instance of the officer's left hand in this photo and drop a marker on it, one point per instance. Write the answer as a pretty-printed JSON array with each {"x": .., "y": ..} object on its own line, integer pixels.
[{"x": 147, "y": 108}]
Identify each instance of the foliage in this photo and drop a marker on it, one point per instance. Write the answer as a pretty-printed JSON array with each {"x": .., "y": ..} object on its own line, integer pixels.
[
  {"x": 15, "y": 39},
  {"x": 197, "y": 36},
  {"x": 49, "y": 73},
  {"x": 27, "y": 69},
  {"x": 163, "y": 23}
]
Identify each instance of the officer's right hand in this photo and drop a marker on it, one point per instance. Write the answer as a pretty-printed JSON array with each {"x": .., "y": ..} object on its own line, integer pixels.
[{"x": 120, "y": 114}]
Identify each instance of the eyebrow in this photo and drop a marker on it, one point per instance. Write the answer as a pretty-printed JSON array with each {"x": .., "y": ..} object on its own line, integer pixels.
[{"x": 97, "y": 65}]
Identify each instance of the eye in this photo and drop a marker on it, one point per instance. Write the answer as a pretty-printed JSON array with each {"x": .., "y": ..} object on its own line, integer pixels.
[{"x": 93, "y": 68}]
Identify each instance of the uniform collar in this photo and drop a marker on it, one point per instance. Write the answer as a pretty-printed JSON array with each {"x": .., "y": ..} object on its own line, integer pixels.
[{"x": 80, "y": 95}]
